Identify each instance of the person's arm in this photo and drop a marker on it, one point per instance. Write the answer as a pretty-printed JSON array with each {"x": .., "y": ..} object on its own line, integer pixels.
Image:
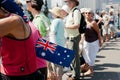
[
  {"x": 8, "y": 24},
  {"x": 74, "y": 26},
  {"x": 82, "y": 39},
  {"x": 96, "y": 28},
  {"x": 76, "y": 19},
  {"x": 100, "y": 20},
  {"x": 107, "y": 22}
]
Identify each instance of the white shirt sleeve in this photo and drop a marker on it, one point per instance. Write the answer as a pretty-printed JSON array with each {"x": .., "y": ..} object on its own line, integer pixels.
[{"x": 77, "y": 17}]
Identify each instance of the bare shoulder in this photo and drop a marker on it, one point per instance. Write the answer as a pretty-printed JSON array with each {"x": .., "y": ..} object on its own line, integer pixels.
[
  {"x": 10, "y": 21},
  {"x": 94, "y": 23},
  {"x": 8, "y": 24}
]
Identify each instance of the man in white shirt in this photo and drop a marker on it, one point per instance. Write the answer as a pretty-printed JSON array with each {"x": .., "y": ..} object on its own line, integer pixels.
[{"x": 72, "y": 33}]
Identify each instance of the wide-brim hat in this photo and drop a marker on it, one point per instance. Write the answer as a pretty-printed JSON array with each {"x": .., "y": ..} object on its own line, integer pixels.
[
  {"x": 66, "y": 8},
  {"x": 56, "y": 11},
  {"x": 82, "y": 10}
]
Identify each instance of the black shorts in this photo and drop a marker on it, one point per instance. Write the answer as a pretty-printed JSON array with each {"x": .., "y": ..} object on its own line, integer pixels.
[{"x": 35, "y": 76}]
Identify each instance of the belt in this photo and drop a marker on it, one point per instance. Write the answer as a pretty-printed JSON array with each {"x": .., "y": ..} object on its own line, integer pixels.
[{"x": 70, "y": 38}]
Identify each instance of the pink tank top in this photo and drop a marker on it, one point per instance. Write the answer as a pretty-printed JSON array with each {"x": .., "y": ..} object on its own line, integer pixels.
[{"x": 19, "y": 56}]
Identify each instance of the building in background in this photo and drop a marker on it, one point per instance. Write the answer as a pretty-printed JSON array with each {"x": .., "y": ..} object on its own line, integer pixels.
[{"x": 93, "y": 4}]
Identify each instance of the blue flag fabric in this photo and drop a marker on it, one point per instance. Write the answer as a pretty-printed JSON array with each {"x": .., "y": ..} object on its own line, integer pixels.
[
  {"x": 54, "y": 53},
  {"x": 13, "y": 7}
]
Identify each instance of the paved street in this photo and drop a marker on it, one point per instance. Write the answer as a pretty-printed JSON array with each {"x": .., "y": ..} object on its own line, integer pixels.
[{"x": 108, "y": 62}]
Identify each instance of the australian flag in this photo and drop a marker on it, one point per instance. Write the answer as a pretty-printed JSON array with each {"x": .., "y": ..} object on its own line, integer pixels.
[{"x": 54, "y": 53}]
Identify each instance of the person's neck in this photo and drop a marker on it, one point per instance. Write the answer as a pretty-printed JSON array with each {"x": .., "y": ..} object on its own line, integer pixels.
[
  {"x": 72, "y": 7},
  {"x": 89, "y": 20},
  {"x": 34, "y": 13}
]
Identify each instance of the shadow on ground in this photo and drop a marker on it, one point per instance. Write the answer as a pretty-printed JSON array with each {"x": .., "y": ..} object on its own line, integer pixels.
[
  {"x": 98, "y": 75},
  {"x": 104, "y": 66},
  {"x": 103, "y": 76}
]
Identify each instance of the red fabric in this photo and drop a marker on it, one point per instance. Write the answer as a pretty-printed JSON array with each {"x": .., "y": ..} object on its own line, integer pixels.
[{"x": 19, "y": 56}]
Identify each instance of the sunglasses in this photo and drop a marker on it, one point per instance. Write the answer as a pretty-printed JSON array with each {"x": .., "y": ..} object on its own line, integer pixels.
[
  {"x": 28, "y": 1},
  {"x": 88, "y": 13},
  {"x": 67, "y": 2}
]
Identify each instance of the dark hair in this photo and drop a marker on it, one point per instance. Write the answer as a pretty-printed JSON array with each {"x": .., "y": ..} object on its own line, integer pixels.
[
  {"x": 37, "y": 4},
  {"x": 111, "y": 7}
]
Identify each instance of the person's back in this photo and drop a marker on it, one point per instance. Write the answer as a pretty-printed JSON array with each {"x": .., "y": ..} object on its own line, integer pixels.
[
  {"x": 40, "y": 20},
  {"x": 42, "y": 23},
  {"x": 57, "y": 37},
  {"x": 35, "y": 6},
  {"x": 18, "y": 59},
  {"x": 57, "y": 27},
  {"x": 17, "y": 49}
]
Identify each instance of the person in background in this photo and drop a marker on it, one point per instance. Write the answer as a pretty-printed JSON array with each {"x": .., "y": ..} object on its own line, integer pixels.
[
  {"x": 72, "y": 33},
  {"x": 111, "y": 9},
  {"x": 18, "y": 41},
  {"x": 40, "y": 20},
  {"x": 65, "y": 12},
  {"x": 91, "y": 42},
  {"x": 42, "y": 23},
  {"x": 112, "y": 25},
  {"x": 83, "y": 67},
  {"x": 57, "y": 36},
  {"x": 106, "y": 28},
  {"x": 82, "y": 10},
  {"x": 26, "y": 12},
  {"x": 99, "y": 20}
]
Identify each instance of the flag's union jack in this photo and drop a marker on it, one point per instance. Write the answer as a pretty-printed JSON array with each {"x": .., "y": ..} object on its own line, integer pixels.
[{"x": 46, "y": 45}]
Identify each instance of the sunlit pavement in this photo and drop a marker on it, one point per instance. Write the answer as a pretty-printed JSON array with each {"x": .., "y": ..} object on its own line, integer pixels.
[{"x": 107, "y": 65}]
